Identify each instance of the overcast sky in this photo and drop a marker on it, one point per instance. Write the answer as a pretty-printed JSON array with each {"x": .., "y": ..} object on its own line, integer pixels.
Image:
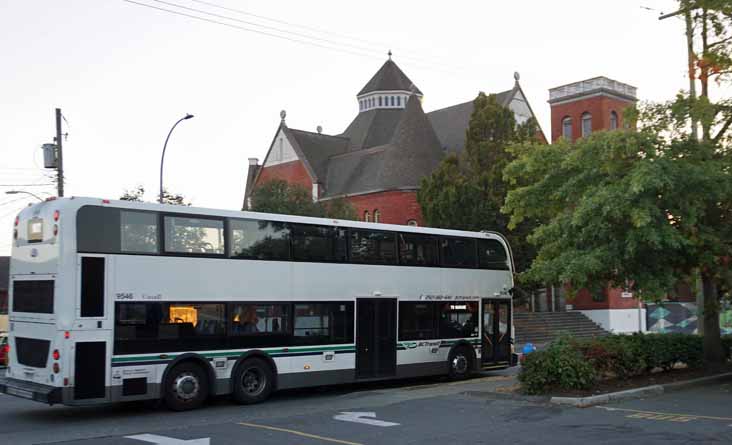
[{"x": 124, "y": 73}]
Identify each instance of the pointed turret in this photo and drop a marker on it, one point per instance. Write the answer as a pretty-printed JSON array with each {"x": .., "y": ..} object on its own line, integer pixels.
[{"x": 388, "y": 88}]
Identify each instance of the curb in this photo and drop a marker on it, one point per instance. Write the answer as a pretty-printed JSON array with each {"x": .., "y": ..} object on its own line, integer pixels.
[{"x": 584, "y": 402}]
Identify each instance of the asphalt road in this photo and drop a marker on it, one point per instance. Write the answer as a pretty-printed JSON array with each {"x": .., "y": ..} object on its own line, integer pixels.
[{"x": 426, "y": 411}]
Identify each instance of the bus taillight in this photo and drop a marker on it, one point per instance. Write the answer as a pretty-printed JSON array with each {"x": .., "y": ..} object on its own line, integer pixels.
[
  {"x": 17, "y": 220},
  {"x": 56, "y": 368},
  {"x": 56, "y": 215},
  {"x": 56, "y": 354}
]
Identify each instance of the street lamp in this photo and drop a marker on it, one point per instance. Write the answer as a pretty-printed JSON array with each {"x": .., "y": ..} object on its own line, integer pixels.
[
  {"x": 16, "y": 192},
  {"x": 186, "y": 117}
]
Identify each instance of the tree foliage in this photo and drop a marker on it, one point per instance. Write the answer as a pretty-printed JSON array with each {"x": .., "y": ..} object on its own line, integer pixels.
[
  {"x": 642, "y": 209},
  {"x": 138, "y": 194},
  {"x": 467, "y": 191},
  {"x": 277, "y": 196}
]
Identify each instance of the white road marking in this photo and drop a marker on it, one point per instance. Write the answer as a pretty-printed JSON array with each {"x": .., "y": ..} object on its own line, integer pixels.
[
  {"x": 366, "y": 418},
  {"x": 162, "y": 440}
]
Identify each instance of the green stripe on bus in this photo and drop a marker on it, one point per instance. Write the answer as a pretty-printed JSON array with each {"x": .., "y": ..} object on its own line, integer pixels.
[{"x": 272, "y": 351}]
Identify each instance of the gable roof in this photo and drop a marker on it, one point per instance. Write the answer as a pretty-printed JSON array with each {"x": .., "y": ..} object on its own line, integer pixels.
[
  {"x": 317, "y": 148},
  {"x": 389, "y": 78},
  {"x": 452, "y": 122},
  {"x": 372, "y": 128}
]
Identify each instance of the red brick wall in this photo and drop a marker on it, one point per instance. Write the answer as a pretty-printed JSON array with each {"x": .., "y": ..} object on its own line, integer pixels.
[
  {"x": 293, "y": 172},
  {"x": 600, "y": 108},
  {"x": 395, "y": 207},
  {"x": 612, "y": 300}
]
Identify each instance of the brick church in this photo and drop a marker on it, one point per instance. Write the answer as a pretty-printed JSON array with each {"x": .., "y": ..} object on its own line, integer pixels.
[
  {"x": 377, "y": 162},
  {"x": 379, "y": 159}
]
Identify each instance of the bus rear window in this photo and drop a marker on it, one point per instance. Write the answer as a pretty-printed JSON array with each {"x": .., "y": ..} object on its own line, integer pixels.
[{"x": 33, "y": 296}]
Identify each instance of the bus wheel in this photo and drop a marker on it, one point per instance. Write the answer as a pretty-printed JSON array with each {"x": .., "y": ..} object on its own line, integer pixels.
[
  {"x": 253, "y": 381},
  {"x": 460, "y": 363},
  {"x": 186, "y": 387}
]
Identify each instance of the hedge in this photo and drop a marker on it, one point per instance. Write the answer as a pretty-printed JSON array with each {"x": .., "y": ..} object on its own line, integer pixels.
[{"x": 569, "y": 363}]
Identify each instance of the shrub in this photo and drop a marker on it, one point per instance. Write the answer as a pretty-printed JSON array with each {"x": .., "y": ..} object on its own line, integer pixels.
[
  {"x": 577, "y": 364},
  {"x": 561, "y": 365}
]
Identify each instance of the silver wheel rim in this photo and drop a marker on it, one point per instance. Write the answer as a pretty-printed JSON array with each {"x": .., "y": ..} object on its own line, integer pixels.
[
  {"x": 186, "y": 386},
  {"x": 460, "y": 364},
  {"x": 253, "y": 381}
]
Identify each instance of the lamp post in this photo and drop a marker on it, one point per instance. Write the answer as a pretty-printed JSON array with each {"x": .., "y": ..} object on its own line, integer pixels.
[
  {"x": 17, "y": 192},
  {"x": 162, "y": 159}
]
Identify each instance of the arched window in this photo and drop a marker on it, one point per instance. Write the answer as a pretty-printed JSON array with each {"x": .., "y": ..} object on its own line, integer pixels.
[
  {"x": 380, "y": 101},
  {"x": 412, "y": 222},
  {"x": 377, "y": 215},
  {"x": 567, "y": 128},
  {"x": 613, "y": 120},
  {"x": 586, "y": 124},
  {"x": 366, "y": 216},
  {"x": 399, "y": 101}
]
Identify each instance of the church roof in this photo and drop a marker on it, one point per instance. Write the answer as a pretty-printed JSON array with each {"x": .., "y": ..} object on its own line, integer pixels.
[
  {"x": 372, "y": 128},
  {"x": 390, "y": 78},
  {"x": 451, "y": 123},
  {"x": 411, "y": 152}
]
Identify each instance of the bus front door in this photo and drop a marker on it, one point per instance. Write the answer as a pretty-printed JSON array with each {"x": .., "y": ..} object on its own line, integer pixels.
[
  {"x": 375, "y": 337},
  {"x": 496, "y": 338}
]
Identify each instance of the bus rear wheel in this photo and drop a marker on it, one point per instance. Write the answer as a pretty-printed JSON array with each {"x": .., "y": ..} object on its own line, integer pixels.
[
  {"x": 186, "y": 387},
  {"x": 460, "y": 363},
  {"x": 253, "y": 381}
]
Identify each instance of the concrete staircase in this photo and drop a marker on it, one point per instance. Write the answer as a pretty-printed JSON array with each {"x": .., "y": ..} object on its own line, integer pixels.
[{"x": 541, "y": 327}]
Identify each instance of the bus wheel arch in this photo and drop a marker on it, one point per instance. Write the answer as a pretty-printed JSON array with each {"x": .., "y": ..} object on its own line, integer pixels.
[
  {"x": 461, "y": 361},
  {"x": 196, "y": 359},
  {"x": 253, "y": 378}
]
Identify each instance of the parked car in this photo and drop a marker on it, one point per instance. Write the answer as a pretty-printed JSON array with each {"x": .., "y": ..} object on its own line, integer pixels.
[{"x": 4, "y": 349}]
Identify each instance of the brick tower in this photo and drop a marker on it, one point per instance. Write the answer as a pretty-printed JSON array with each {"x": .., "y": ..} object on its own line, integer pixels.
[{"x": 595, "y": 104}]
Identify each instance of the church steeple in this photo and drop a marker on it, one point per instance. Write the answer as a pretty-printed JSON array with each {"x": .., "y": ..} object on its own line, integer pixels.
[{"x": 389, "y": 88}]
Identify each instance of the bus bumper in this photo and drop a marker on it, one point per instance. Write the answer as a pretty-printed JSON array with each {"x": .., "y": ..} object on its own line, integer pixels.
[{"x": 32, "y": 391}]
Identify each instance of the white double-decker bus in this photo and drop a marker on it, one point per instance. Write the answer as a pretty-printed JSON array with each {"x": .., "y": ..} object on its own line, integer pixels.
[{"x": 119, "y": 301}]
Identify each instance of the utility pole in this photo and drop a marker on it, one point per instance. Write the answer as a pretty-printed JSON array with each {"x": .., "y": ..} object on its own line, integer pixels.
[
  {"x": 686, "y": 10},
  {"x": 59, "y": 154}
]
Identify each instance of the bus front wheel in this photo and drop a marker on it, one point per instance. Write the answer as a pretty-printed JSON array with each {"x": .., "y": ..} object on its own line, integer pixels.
[
  {"x": 460, "y": 363},
  {"x": 253, "y": 381},
  {"x": 186, "y": 387}
]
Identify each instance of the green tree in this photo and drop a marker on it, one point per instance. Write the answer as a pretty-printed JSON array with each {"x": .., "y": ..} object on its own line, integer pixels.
[
  {"x": 467, "y": 192},
  {"x": 279, "y": 196},
  {"x": 138, "y": 194},
  {"x": 626, "y": 208}
]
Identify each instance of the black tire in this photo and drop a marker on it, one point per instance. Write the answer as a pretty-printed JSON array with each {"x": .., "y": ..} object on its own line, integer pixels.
[
  {"x": 253, "y": 381},
  {"x": 186, "y": 387},
  {"x": 460, "y": 363}
]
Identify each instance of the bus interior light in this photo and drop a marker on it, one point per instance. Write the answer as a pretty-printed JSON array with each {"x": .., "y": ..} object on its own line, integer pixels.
[{"x": 56, "y": 354}]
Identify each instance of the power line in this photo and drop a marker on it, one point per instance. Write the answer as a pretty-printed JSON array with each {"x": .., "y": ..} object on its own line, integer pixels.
[
  {"x": 277, "y": 36},
  {"x": 271, "y": 28},
  {"x": 340, "y": 46},
  {"x": 378, "y": 46},
  {"x": 25, "y": 185}
]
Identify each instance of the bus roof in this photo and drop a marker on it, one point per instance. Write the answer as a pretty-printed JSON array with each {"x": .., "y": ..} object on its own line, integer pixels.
[{"x": 77, "y": 202}]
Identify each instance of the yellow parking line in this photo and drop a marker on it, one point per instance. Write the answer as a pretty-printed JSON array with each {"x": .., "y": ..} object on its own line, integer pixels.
[
  {"x": 656, "y": 415},
  {"x": 299, "y": 433}
]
